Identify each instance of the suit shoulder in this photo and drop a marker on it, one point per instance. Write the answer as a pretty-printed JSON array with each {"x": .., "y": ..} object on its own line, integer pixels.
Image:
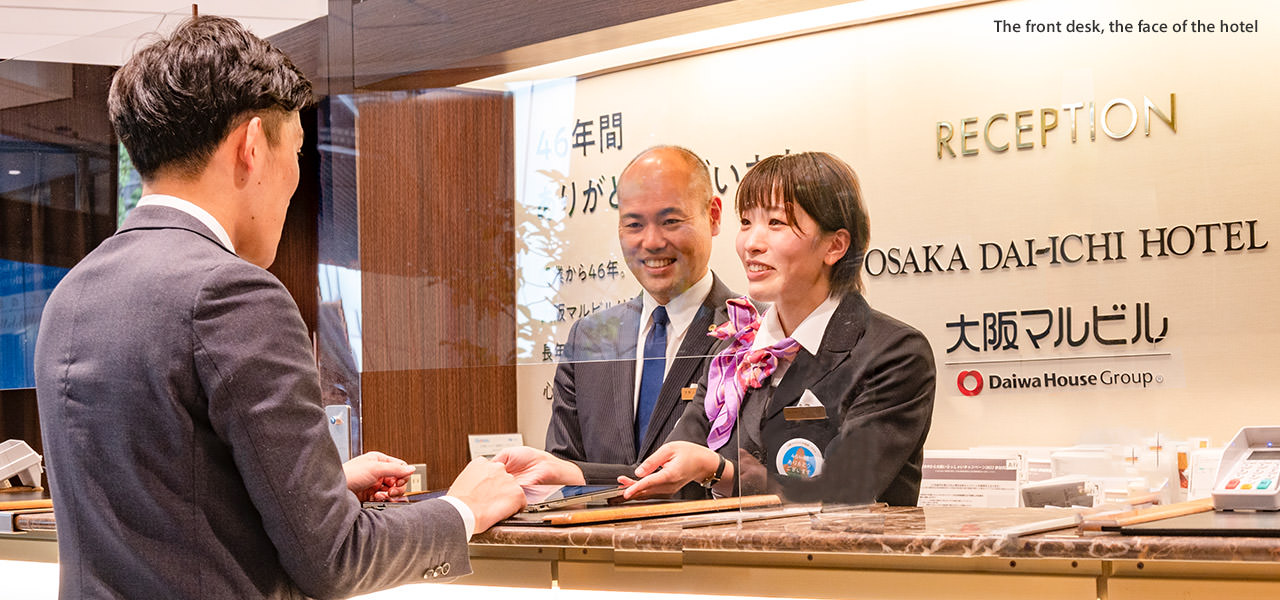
[
  {"x": 238, "y": 281},
  {"x": 884, "y": 327}
]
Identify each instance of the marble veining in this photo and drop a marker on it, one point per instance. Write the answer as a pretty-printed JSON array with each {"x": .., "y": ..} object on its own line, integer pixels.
[{"x": 960, "y": 532}]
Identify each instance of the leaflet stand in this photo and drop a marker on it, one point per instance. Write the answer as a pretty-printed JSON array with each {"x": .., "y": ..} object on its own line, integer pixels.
[{"x": 17, "y": 458}]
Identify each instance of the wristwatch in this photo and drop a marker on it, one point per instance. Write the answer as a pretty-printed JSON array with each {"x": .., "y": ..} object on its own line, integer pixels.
[{"x": 714, "y": 478}]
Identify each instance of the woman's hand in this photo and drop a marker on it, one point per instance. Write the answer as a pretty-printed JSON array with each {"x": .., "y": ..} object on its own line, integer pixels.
[{"x": 669, "y": 469}]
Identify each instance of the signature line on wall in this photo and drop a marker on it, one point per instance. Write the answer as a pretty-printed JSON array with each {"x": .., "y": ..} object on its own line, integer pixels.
[{"x": 1014, "y": 360}]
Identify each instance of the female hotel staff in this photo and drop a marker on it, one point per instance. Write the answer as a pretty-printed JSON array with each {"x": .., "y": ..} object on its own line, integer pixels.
[{"x": 827, "y": 398}]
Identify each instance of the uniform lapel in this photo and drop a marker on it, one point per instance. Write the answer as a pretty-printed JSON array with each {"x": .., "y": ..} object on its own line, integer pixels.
[{"x": 843, "y": 332}]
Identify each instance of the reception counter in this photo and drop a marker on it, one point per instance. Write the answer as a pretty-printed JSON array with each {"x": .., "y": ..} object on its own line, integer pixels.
[{"x": 877, "y": 552}]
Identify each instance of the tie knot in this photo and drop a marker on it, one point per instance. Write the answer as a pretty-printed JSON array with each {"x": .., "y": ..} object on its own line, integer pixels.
[{"x": 660, "y": 316}]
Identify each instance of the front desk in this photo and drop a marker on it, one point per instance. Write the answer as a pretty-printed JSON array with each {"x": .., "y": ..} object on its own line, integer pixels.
[
  {"x": 1172, "y": 319},
  {"x": 900, "y": 553}
]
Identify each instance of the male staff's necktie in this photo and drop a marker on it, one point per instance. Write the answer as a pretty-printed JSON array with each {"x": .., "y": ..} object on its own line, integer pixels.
[
  {"x": 738, "y": 367},
  {"x": 655, "y": 364}
]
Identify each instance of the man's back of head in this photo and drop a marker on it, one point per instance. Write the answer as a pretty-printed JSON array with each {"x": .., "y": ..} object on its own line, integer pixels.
[
  {"x": 209, "y": 115},
  {"x": 175, "y": 100}
]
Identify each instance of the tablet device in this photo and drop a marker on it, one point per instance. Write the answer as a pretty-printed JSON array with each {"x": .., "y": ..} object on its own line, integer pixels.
[
  {"x": 539, "y": 497},
  {"x": 550, "y": 497}
]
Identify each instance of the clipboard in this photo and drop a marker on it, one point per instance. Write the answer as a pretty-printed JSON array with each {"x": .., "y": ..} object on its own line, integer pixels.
[{"x": 610, "y": 514}]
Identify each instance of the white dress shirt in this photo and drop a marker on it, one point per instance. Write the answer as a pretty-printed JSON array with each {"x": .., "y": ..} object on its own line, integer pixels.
[{"x": 808, "y": 333}]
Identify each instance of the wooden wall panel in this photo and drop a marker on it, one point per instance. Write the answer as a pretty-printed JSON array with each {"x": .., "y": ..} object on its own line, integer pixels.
[
  {"x": 18, "y": 417},
  {"x": 296, "y": 261},
  {"x": 435, "y": 178}
]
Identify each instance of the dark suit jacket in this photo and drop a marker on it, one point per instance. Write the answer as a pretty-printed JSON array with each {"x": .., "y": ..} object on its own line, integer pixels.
[
  {"x": 187, "y": 451},
  {"x": 874, "y": 376},
  {"x": 593, "y": 413}
]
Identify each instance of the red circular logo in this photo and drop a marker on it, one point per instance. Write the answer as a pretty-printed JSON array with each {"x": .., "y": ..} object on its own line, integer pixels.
[{"x": 966, "y": 390}]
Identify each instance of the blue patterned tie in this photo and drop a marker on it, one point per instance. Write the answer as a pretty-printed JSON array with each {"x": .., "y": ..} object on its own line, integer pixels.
[{"x": 655, "y": 362}]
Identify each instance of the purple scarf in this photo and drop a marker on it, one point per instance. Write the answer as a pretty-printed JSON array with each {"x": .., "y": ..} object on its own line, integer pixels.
[{"x": 738, "y": 367}]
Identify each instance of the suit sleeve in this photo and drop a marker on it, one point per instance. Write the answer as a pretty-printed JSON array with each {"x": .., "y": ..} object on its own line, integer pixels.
[
  {"x": 877, "y": 452},
  {"x": 254, "y": 361},
  {"x": 564, "y": 432},
  {"x": 693, "y": 425}
]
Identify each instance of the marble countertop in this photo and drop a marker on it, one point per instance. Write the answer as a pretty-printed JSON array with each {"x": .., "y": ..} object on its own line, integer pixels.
[{"x": 938, "y": 531}]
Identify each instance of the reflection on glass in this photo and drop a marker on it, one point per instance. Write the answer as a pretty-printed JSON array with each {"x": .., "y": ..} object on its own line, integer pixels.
[
  {"x": 57, "y": 174},
  {"x": 567, "y": 266},
  {"x": 542, "y": 167},
  {"x": 24, "y": 289},
  {"x": 339, "y": 331}
]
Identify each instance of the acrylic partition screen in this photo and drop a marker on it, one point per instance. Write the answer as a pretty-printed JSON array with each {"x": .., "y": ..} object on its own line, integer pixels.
[
  {"x": 57, "y": 192},
  {"x": 1078, "y": 223}
]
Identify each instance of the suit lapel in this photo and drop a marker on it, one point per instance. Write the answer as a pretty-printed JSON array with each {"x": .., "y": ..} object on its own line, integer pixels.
[
  {"x": 805, "y": 373},
  {"x": 843, "y": 332},
  {"x": 623, "y": 371}
]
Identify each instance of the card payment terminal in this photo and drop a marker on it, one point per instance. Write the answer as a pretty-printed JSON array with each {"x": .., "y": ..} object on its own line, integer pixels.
[{"x": 1249, "y": 474}]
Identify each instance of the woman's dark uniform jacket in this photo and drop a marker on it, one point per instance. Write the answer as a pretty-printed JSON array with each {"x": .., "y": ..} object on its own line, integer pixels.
[{"x": 875, "y": 378}]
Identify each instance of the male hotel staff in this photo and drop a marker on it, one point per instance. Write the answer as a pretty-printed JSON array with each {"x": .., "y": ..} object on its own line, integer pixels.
[
  {"x": 188, "y": 453},
  {"x": 618, "y": 387}
]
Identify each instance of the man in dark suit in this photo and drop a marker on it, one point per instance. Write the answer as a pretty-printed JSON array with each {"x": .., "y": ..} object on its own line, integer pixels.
[
  {"x": 187, "y": 451},
  {"x": 618, "y": 388}
]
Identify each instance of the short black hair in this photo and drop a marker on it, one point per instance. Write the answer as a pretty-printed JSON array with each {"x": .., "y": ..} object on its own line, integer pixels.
[
  {"x": 175, "y": 100},
  {"x": 827, "y": 189}
]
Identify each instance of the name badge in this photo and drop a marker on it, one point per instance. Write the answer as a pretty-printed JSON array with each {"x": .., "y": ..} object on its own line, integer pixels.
[
  {"x": 805, "y": 413},
  {"x": 687, "y": 393},
  {"x": 807, "y": 409}
]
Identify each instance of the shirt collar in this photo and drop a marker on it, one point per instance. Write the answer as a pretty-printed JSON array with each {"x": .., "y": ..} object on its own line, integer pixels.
[
  {"x": 683, "y": 308},
  {"x": 808, "y": 333},
  {"x": 199, "y": 213}
]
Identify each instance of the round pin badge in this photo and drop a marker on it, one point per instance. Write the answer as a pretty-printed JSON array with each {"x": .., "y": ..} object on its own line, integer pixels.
[{"x": 799, "y": 458}]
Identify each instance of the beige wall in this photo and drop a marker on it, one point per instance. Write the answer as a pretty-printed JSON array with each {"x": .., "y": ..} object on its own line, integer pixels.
[{"x": 873, "y": 94}]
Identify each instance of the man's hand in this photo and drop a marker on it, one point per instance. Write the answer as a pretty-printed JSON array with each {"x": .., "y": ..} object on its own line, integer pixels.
[
  {"x": 531, "y": 466},
  {"x": 376, "y": 477},
  {"x": 669, "y": 469},
  {"x": 489, "y": 491}
]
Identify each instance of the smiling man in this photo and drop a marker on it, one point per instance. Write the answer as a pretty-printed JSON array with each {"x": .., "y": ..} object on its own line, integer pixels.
[{"x": 618, "y": 387}]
